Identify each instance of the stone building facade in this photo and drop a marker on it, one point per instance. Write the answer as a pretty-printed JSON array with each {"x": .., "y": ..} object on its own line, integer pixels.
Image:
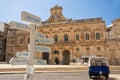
[
  {"x": 3, "y": 33},
  {"x": 17, "y": 41},
  {"x": 113, "y": 42},
  {"x": 74, "y": 39}
]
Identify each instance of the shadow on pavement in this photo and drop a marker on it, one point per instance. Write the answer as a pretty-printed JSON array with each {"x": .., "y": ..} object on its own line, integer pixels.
[{"x": 112, "y": 78}]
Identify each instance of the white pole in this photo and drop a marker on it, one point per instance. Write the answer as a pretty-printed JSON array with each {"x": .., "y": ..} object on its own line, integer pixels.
[{"x": 31, "y": 60}]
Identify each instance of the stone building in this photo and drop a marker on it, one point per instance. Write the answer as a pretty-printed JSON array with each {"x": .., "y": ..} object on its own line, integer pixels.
[
  {"x": 74, "y": 39},
  {"x": 17, "y": 41},
  {"x": 3, "y": 33},
  {"x": 113, "y": 42}
]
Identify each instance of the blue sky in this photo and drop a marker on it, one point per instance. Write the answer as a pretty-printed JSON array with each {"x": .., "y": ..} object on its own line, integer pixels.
[{"x": 109, "y": 10}]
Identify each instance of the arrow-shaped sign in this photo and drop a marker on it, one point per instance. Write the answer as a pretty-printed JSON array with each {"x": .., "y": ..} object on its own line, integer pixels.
[
  {"x": 42, "y": 48},
  {"x": 22, "y": 54},
  {"x": 39, "y": 35},
  {"x": 18, "y": 61},
  {"x": 17, "y": 25},
  {"x": 25, "y": 16},
  {"x": 44, "y": 41},
  {"x": 24, "y": 61}
]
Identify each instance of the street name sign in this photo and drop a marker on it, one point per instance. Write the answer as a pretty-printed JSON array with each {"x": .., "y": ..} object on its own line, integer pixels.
[
  {"x": 42, "y": 49},
  {"x": 17, "y": 25},
  {"x": 18, "y": 61},
  {"x": 41, "y": 62},
  {"x": 24, "y": 61},
  {"x": 25, "y": 16},
  {"x": 39, "y": 35},
  {"x": 44, "y": 41},
  {"x": 22, "y": 54}
]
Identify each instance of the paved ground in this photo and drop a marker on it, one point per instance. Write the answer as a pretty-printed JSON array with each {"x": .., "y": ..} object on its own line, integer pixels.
[{"x": 57, "y": 76}]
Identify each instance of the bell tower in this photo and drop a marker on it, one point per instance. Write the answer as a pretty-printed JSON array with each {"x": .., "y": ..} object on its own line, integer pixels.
[
  {"x": 56, "y": 10},
  {"x": 56, "y": 14}
]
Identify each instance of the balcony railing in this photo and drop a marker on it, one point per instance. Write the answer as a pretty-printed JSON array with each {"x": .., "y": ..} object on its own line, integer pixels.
[
  {"x": 113, "y": 39},
  {"x": 65, "y": 43}
]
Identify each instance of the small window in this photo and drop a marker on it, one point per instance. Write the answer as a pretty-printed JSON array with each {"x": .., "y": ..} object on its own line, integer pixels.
[
  {"x": 56, "y": 38},
  {"x": 87, "y": 36},
  {"x": 97, "y": 36},
  {"x": 77, "y": 37},
  {"x": 65, "y": 38},
  {"x": 98, "y": 48}
]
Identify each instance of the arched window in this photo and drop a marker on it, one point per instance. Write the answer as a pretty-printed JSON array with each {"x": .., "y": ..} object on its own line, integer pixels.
[
  {"x": 65, "y": 38},
  {"x": 77, "y": 37},
  {"x": 97, "y": 36},
  {"x": 56, "y": 38},
  {"x": 87, "y": 36},
  {"x": 98, "y": 48}
]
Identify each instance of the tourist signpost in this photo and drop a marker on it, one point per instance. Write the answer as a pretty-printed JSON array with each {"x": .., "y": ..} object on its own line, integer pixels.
[
  {"x": 24, "y": 61},
  {"x": 35, "y": 38},
  {"x": 39, "y": 35},
  {"x": 44, "y": 41},
  {"x": 25, "y": 16},
  {"x": 21, "y": 26},
  {"x": 22, "y": 54},
  {"x": 18, "y": 61},
  {"x": 42, "y": 49}
]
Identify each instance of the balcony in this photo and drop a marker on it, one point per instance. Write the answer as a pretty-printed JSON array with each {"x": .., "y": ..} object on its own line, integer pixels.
[
  {"x": 112, "y": 39},
  {"x": 64, "y": 43}
]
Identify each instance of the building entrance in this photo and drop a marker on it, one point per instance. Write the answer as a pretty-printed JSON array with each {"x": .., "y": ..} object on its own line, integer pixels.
[
  {"x": 66, "y": 57},
  {"x": 45, "y": 56}
]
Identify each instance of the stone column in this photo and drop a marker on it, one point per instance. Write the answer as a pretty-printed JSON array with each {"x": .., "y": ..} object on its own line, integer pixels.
[
  {"x": 61, "y": 56},
  {"x": 50, "y": 56},
  {"x": 71, "y": 56}
]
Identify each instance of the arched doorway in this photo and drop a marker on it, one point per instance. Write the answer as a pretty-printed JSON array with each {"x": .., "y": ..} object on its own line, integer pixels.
[
  {"x": 66, "y": 57},
  {"x": 45, "y": 56}
]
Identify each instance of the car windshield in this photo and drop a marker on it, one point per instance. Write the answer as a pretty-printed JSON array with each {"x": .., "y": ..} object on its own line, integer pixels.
[{"x": 98, "y": 62}]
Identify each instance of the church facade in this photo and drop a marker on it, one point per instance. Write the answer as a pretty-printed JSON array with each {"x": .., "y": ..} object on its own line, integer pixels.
[{"x": 75, "y": 40}]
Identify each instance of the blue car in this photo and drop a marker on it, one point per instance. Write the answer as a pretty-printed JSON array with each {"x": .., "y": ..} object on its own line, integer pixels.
[{"x": 98, "y": 66}]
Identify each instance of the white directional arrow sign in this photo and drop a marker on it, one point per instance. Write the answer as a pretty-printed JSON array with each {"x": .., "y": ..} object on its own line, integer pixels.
[
  {"x": 41, "y": 62},
  {"x": 17, "y": 25},
  {"x": 44, "y": 41},
  {"x": 42, "y": 49},
  {"x": 30, "y": 18},
  {"x": 22, "y": 54},
  {"x": 24, "y": 61},
  {"x": 39, "y": 35},
  {"x": 18, "y": 61}
]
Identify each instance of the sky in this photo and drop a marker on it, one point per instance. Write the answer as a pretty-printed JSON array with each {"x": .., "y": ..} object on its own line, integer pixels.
[{"x": 109, "y": 10}]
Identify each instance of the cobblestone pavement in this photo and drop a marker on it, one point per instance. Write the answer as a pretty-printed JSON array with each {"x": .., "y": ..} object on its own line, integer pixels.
[{"x": 56, "y": 76}]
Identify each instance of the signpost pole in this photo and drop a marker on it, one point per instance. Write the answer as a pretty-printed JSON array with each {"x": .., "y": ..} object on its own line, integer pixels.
[{"x": 31, "y": 61}]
